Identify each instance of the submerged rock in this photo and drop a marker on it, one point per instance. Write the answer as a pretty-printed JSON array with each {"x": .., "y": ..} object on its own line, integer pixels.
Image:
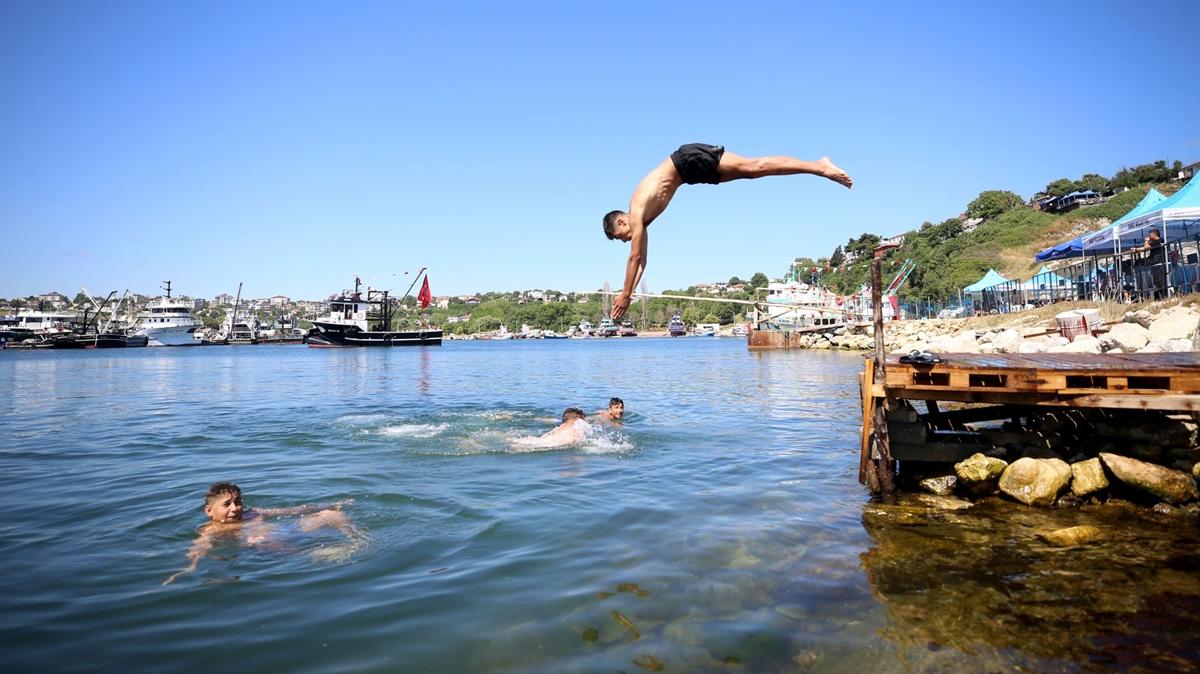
[
  {"x": 942, "y": 486},
  {"x": 1170, "y": 485},
  {"x": 1035, "y": 481},
  {"x": 1087, "y": 477},
  {"x": 1071, "y": 536},
  {"x": 944, "y": 502}
]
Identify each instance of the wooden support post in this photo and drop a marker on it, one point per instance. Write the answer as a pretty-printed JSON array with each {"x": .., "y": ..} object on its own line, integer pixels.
[
  {"x": 868, "y": 417},
  {"x": 880, "y": 457}
]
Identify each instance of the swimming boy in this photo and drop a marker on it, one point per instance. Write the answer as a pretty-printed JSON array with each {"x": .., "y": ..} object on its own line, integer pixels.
[
  {"x": 570, "y": 431},
  {"x": 692, "y": 164},
  {"x": 227, "y": 517},
  {"x": 616, "y": 410}
]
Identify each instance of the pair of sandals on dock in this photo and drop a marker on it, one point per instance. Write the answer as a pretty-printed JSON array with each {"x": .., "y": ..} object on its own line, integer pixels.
[{"x": 916, "y": 357}]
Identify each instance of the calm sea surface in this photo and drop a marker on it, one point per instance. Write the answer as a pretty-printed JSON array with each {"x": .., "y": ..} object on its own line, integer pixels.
[{"x": 721, "y": 528}]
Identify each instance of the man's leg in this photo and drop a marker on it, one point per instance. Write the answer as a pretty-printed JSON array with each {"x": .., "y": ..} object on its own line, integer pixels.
[{"x": 737, "y": 167}]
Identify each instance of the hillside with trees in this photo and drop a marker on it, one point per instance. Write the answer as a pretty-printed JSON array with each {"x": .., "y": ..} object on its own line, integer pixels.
[{"x": 1007, "y": 233}]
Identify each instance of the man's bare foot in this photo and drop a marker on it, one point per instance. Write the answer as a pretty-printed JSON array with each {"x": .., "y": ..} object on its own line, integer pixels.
[{"x": 837, "y": 175}]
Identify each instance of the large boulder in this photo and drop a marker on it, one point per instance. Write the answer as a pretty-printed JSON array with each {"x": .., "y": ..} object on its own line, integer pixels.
[
  {"x": 1008, "y": 341},
  {"x": 942, "y": 486},
  {"x": 979, "y": 468},
  {"x": 1087, "y": 477},
  {"x": 1174, "y": 323},
  {"x": 1082, "y": 344},
  {"x": 1035, "y": 481},
  {"x": 1169, "y": 485},
  {"x": 1125, "y": 337}
]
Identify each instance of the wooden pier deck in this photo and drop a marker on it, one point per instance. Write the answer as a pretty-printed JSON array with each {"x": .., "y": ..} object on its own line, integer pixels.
[{"x": 1164, "y": 381}]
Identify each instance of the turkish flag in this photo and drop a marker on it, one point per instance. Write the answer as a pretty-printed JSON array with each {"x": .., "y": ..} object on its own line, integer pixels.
[{"x": 424, "y": 297}]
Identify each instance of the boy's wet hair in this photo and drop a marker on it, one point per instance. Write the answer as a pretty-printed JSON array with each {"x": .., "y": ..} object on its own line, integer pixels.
[
  {"x": 610, "y": 221},
  {"x": 616, "y": 401},
  {"x": 220, "y": 488},
  {"x": 573, "y": 413}
]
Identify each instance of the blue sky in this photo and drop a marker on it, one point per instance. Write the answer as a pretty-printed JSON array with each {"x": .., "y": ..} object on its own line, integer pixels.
[{"x": 292, "y": 145}]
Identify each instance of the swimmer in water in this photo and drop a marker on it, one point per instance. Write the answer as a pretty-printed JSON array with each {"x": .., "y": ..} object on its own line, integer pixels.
[
  {"x": 228, "y": 517},
  {"x": 570, "y": 431},
  {"x": 616, "y": 410}
]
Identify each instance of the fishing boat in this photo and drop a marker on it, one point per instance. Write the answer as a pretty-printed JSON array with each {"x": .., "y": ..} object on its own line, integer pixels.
[
  {"x": 675, "y": 327},
  {"x": 608, "y": 328},
  {"x": 352, "y": 321},
  {"x": 550, "y": 334},
  {"x": 168, "y": 322}
]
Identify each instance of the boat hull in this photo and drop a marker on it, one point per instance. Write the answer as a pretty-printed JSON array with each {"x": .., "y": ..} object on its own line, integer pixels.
[
  {"x": 333, "y": 335},
  {"x": 180, "y": 335}
]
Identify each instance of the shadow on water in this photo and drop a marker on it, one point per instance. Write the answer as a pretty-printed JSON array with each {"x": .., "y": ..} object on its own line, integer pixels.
[{"x": 980, "y": 582}]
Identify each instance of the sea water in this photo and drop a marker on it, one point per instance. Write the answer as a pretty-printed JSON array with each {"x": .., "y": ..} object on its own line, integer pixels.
[{"x": 719, "y": 528}]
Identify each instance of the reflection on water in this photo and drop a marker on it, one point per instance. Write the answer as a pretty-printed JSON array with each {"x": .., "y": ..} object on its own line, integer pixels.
[
  {"x": 719, "y": 529},
  {"x": 981, "y": 582}
]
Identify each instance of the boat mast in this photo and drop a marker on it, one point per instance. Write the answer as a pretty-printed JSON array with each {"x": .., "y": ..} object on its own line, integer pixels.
[
  {"x": 168, "y": 289},
  {"x": 233, "y": 320}
]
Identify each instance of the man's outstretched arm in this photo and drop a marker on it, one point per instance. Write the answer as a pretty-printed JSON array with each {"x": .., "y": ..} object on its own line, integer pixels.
[{"x": 633, "y": 269}]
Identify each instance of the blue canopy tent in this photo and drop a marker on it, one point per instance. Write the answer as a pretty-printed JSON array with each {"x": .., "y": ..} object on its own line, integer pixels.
[
  {"x": 1076, "y": 247},
  {"x": 1102, "y": 239},
  {"x": 1176, "y": 218},
  {"x": 989, "y": 280}
]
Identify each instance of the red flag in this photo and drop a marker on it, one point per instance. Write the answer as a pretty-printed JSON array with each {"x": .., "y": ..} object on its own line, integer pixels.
[{"x": 424, "y": 297}]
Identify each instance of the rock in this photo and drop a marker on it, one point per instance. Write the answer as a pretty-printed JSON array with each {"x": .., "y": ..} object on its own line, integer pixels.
[
  {"x": 1035, "y": 481},
  {"x": 1140, "y": 317},
  {"x": 943, "y": 502},
  {"x": 1087, "y": 477},
  {"x": 1178, "y": 345},
  {"x": 942, "y": 486},
  {"x": 1008, "y": 341},
  {"x": 1125, "y": 337},
  {"x": 1071, "y": 536},
  {"x": 1176, "y": 323},
  {"x": 979, "y": 468},
  {"x": 1196, "y": 471},
  {"x": 1164, "y": 509},
  {"x": 1082, "y": 344},
  {"x": 1172, "y": 486}
]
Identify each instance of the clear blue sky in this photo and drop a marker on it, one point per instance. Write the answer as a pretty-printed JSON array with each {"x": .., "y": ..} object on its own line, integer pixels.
[{"x": 291, "y": 145}]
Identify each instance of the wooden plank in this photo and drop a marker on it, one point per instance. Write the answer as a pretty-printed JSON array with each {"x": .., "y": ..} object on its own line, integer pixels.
[
  {"x": 868, "y": 412},
  {"x": 1123, "y": 400}
]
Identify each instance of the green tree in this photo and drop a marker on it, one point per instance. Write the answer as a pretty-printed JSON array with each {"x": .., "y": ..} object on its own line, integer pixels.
[
  {"x": 1060, "y": 187},
  {"x": 733, "y": 281},
  {"x": 1094, "y": 182},
  {"x": 837, "y": 258},
  {"x": 759, "y": 280},
  {"x": 711, "y": 318},
  {"x": 991, "y": 203}
]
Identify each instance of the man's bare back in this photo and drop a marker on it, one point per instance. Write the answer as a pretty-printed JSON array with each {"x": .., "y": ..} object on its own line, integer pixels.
[{"x": 692, "y": 164}]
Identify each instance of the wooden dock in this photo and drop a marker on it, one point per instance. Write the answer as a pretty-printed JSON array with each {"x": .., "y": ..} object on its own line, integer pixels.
[{"x": 1008, "y": 385}]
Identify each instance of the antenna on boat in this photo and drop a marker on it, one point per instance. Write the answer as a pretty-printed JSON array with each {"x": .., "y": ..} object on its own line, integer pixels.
[{"x": 168, "y": 288}]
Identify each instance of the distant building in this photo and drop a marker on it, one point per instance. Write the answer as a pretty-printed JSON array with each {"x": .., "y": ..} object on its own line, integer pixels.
[
  {"x": 223, "y": 298},
  {"x": 279, "y": 301},
  {"x": 442, "y": 302},
  {"x": 896, "y": 240},
  {"x": 54, "y": 299},
  {"x": 458, "y": 319},
  {"x": 1188, "y": 172},
  {"x": 969, "y": 224},
  {"x": 199, "y": 303}
]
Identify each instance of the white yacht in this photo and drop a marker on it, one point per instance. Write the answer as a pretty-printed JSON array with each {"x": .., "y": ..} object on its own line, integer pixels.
[{"x": 168, "y": 322}]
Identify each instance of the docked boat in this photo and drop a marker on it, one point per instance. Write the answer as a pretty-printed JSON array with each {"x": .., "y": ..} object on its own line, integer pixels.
[
  {"x": 585, "y": 329},
  {"x": 351, "y": 321},
  {"x": 627, "y": 330},
  {"x": 675, "y": 327},
  {"x": 168, "y": 322},
  {"x": 739, "y": 330},
  {"x": 607, "y": 328},
  {"x": 706, "y": 330},
  {"x": 550, "y": 334}
]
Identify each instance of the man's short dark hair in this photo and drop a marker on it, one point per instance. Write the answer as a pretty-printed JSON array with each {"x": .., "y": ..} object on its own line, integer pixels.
[
  {"x": 610, "y": 221},
  {"x": 616, "y": 401},
  {"x": 1154, "y": 230},
  {"x": 221, "y": 488},
  {"x": 573, "y": 413}
]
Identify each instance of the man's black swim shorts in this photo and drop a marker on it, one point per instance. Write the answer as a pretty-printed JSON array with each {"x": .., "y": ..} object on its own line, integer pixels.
[{"x": 697, "y": 163}]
